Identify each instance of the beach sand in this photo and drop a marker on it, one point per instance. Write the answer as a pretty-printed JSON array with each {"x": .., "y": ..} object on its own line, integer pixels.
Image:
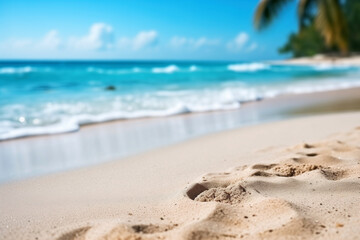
[
  {"x": 98, "y": 143},
  {"x": 291, "y": 179},
  {"x": 321, "y": 59}
]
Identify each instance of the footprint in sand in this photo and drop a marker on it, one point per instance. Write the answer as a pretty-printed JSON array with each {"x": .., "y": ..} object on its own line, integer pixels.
[
  {"x": 265, "y": 201},
  {"x": 122, "y": 231}
]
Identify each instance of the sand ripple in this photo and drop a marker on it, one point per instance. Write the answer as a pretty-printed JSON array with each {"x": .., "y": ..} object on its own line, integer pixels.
[{"x": 311, "y": 191}]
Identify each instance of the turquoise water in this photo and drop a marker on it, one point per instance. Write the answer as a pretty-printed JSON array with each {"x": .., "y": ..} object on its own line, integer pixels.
[{"x": 54, "y": 97}]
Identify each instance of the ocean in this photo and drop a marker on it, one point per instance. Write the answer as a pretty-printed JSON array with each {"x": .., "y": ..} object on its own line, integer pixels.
[{"x": 49, "y": 97}]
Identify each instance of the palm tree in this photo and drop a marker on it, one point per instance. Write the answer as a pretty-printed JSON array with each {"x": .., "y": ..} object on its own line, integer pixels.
[{"x": 329, "y": 18}]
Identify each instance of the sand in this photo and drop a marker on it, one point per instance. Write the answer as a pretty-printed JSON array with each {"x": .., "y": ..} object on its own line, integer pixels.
[
  {"x": 98, "y": 143},
  {"x": 292, "y": 179},
  {"x": 325, "y": 60}
]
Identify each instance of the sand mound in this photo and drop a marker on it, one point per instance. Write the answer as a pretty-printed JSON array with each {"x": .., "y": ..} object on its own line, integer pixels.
[
  {"x": 311, "y": 191},
  {"x": 231, "y": 194}
]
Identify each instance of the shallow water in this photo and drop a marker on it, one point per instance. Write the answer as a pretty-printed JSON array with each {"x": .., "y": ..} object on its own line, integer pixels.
[
  {"x": 56, "y": 97},
  {"x": 99, "y": 143}
]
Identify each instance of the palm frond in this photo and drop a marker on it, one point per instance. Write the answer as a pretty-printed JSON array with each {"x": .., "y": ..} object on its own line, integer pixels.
[
  {"x": 331, "y": 23},
  {"x": 266, "y": 11},
  {"x": 306, "y": 11}
]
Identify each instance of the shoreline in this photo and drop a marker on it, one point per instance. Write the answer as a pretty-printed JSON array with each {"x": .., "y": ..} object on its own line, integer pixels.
[
  {"x": 76, "y": 122},
  {"x": 276, "y": 98},
  {"x": 109, "y": 141},
  {"x": 321, "y": 59},
  {"x": 113, "y": 197}
]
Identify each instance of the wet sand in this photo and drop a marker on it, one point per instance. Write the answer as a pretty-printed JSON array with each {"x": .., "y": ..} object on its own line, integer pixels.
[
  {"x": 273, "y": 180},
  {"x": 98, "y": 143}
]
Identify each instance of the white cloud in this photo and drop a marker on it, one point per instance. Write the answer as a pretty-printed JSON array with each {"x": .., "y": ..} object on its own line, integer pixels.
[
  {"x": 252, "y": 47},
  {"x": 242, "y": 42},
  {"x": 142, "y": 40},
  {"x": 178, "y": 42},
  {"x": 205, "y": 42},
  {"x": 239, "y": 41},
  {"x": 16, "y": 44},
  {"x": 145, "y": 39},
  {"x": 50, "y": 41},
  {"x": 100, "y": 37},
  {"x": 20, "y": 43}
]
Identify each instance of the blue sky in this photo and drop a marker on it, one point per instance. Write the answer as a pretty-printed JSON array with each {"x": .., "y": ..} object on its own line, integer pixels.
[{"x": 139, "y": 29}]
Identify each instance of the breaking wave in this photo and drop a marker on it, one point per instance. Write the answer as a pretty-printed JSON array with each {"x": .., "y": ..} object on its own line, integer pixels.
[
  {"x": 168, "y": 69},
  {"x": 16, "y": 70},
  {"x": 247, "y": 67},
  {"x": 91, "y": 93}
]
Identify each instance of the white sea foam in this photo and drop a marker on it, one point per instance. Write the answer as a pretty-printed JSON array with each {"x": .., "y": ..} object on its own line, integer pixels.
[
  {"x": 168, "y": 69},
  {"x": 136, "y": 70},
  {"x": 61, "y": 127},
  {"x": 319, "y": 87},
  {"x": 52, "y": 118},
  {"x": 247, "y": 67},
  {"x": 327, "y": 66},
  {"x": 16, "y": 70},
  {"x": 113, "y": 71},
  {"x": 19, "y": 120},
  {"x": 193, "y": 68}
]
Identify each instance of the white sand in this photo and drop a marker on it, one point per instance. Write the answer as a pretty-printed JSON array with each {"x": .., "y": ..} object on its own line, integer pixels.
[
  {"x": 287, "y": 189},
  {"x": 320, "y": 59}
]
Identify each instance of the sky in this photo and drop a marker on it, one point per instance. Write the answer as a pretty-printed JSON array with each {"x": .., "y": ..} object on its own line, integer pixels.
[{"x": 139, "y": 30}]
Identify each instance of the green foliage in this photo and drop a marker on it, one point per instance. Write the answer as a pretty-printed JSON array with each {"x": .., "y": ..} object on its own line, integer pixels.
[
  {"x": 266, "y": 11},
  {"x": 309, "y": 41},
  {"x": 352, "y": 13}
]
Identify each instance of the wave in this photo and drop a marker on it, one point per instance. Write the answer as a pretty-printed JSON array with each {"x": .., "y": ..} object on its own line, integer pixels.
[
  {"x": 113, "y": 71},
  {"x": 331, "y": 86},
  {"x": 247, "y": 67},
  {"x": 73, "y": 123},
  {"x": 16, "y": 70},
  {"x": 70, "y": 116},
  {"x": 327, "y": 67},
  {"x": 136, "y": 70},
  {"x": 157, "y": 96},
  {"x": 62, "y": 127},
  {"x": 193, "y": 68},
  {"x": 168, "y": 69}
]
